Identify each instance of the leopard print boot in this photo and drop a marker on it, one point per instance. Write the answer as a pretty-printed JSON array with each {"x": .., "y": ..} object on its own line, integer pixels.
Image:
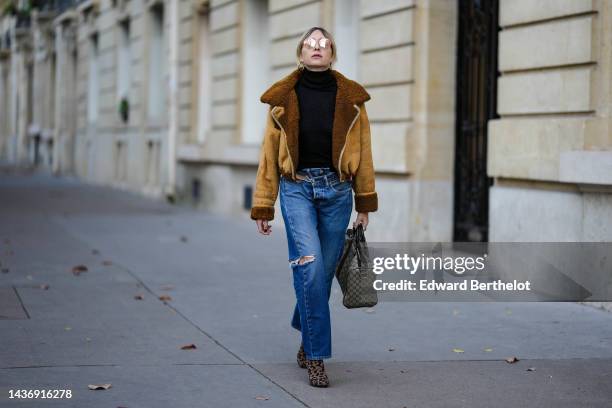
[
  {"x": 316, "y": 373},
  {"x": 301, "y": 357}
]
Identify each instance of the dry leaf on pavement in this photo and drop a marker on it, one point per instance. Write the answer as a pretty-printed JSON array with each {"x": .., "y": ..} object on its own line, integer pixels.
[{"x": 77, "y": 270}]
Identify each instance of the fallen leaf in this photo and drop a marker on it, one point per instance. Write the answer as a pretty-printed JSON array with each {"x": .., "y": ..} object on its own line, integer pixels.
[
  {"x": 531, "y": 369},
  {"x": 188, "y": 347},
  {"x": 391, "y": 349},
  {"x": 138, "y": 297},
  {"x": 67, "y": 328},
  {"x": 165, "y": 298},
  {"x": 458, "y": 350},
  {"x": 512, "y": 360},
  {"x": 488, "y": 349},
  {"x": 77, "y": 270},
  {"x": 262, "y": 397},
  {"x": 44, "y": 286},
  {"x": 99, "y": 386}
]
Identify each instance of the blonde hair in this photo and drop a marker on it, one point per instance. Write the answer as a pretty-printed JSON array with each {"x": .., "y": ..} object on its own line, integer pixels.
[{"x": 326, "y": 34}]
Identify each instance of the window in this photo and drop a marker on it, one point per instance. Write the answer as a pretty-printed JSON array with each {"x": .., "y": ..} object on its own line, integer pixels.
[
  {"x": 124, "y": 63},
  {"x": 93, "y": 92},
  {"x": 346, "y": 34},
  {"x": 204, "y": 81},
  {"x": 157, "y": 65},
  {"x": 255, "y": 70}
]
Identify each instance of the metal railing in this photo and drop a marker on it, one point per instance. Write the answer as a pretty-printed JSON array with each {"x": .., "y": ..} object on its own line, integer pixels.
[{"x": 55, "y": 6}]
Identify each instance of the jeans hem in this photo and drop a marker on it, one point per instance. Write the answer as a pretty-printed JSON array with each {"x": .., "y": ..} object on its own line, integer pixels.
[{"x": 318, "y": 357}]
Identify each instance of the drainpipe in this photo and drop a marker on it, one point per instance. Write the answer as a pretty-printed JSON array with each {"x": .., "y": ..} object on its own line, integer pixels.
[{"x": 173, "y": 99}]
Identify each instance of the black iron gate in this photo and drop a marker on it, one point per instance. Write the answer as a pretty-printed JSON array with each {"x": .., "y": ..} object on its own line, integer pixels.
[{"x": 476, "y": 104}]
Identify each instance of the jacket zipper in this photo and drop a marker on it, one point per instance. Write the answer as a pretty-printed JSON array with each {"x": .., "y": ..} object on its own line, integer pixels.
[
  {"x": 286, "y": 145},
  {"x": 346, "y": 140}
]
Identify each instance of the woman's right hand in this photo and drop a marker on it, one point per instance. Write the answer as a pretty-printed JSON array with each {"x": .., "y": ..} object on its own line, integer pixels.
[{"x": 263, "y": 227}]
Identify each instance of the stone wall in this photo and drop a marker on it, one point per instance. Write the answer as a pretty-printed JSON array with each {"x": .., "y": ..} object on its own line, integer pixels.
[{"x": 551, "y": 150}]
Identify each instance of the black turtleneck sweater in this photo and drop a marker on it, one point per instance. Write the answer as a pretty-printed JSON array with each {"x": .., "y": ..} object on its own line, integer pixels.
[{"x": 316, "y": 91}]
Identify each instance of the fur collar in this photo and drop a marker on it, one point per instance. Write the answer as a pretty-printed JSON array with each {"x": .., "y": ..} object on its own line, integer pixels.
[
  {"x": 282, "y": 93},
  {"x": 348, "y": 89}
]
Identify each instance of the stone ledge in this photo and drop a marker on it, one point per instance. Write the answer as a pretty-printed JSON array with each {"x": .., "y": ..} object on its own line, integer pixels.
[
  {"x": 544, "y": 148},
  {"x": 238, "y": 154},
  {"x": 592, "y": 167}
]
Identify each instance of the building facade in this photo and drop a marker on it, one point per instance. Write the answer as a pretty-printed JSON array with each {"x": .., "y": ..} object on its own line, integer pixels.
[{"x": 491, "y": 119}]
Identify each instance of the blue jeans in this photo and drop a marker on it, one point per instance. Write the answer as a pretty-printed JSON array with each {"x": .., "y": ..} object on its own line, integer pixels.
[{"x": 316, "y": 211}]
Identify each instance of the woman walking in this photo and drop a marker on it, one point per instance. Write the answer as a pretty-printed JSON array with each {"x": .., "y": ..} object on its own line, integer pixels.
[{"x": 316, "y": 151}]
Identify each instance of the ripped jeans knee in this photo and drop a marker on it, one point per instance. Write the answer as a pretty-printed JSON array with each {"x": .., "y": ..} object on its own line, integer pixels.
[{"x": 302, "y": 260}]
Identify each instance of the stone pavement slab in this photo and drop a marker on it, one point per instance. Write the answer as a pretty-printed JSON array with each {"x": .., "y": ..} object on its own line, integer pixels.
[
  {"x": 448, "y": 384},
  {"x": 135, "y": 386}
]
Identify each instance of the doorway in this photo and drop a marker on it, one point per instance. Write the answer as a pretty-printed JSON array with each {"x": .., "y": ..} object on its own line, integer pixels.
[{"x": 476, "y": 96}]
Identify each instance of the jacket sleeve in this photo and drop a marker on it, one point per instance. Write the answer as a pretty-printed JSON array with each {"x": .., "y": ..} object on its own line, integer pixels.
[
  {"x": 366, "y": 199},
  {"x": 267, "y": 179}
]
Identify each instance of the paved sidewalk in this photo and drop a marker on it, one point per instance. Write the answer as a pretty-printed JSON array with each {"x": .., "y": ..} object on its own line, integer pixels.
[{"x": 232, "y": 296}]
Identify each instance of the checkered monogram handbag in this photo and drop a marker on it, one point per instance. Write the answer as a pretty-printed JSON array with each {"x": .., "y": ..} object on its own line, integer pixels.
[{"x": 354, "y": 272}]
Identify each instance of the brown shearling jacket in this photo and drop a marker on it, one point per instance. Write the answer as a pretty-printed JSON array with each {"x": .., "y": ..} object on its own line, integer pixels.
[{"x": 351, "y": 144}]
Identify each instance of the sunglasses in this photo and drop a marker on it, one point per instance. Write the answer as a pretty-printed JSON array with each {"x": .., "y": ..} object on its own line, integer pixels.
[{"x": 311, "y": 43}]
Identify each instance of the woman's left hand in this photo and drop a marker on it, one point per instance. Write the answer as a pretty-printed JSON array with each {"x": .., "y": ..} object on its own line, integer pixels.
[{"x": 362, "y": 218}]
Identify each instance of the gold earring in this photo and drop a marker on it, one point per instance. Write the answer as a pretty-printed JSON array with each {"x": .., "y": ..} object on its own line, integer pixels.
[{"x": 301, "y": 65}]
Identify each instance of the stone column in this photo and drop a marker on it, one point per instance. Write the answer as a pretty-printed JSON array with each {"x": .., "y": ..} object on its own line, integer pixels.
[
  {"x": 64, "y": 104},
  {"x": 22, "y": 52},
  {"x": 5, "y": 110},
  {"x": 432, "y": 140}
]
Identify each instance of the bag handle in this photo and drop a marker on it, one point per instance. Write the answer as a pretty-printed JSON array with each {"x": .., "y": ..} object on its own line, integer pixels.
[
  {"x": 359, "y": 232},
  {"x": 358, "y": 236}
]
